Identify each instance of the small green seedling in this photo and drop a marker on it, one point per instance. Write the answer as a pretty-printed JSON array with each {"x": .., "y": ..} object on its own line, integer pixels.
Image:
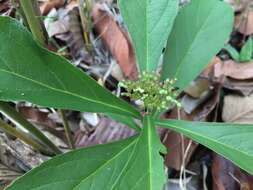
[
  {"x": 245, "y": 55},
  {"x": 191, "y": 36}
]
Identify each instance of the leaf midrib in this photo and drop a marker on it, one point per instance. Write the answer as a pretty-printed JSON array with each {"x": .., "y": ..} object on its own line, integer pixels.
[
  {"x": 190, "y": 47},
  {"x": 149, "y": 151},
  {"x": 66, "y": 92}
]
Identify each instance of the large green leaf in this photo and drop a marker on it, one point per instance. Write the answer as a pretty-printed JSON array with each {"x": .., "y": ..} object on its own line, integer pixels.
[
  {"x": 200, "y": 31},
  {"x": 134, "y": 164},
  {"x": 32, "y": 73},
  {"x": 233, "y": 141},
  {"x": 145, "y": 168},
  {"x": 149, "y": 24}
]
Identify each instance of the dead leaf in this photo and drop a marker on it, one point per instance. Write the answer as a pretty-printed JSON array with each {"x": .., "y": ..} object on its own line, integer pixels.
[
  {"x": 227, "y": 176},
  {"x": 208, "y": 71},
  {"x": 244, "y": 87},
  {"x": 238, "y": 6},
  {"x": 4, "y": 6},
  {"x": 173, "y": 142},
  {"x": 246, "y": 24},
  {"x": 221, "y": 174},
  {"x": 42, "y": 119},
  {"x": 116, "y": 40},
  {"x": 46, "y": 7},
  {"x": 55, "y": 27},
  {"x": 106, "y": 131},
  {"x": 197, "y": 88},
  {"x": 230, "y": 68},
  {"x": 238, "y": 109}
]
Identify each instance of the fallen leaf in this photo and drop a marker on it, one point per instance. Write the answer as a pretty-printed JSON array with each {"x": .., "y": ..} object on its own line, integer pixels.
[
  {"x": 238, "y": 109},
  {"x": 238, "y": 5},
  {"x": 42, "y": 119},
  {"x": 197, "y": 88},
  {"x": 227, "y": 176},
  {"x": 106, "y": 131},
  {"x": 246, "y": 24},
  {"x": 243, "y": 87},
  {"x": 221, "y": 174},
  {"x": 4, "y": 6},
  {"x": 173, "y": 141},
  {"x": 46, "y": 7},
  {"x": 116, "y": 40},
  {"x": 54, "y": 27},
  {"x": 208, "y": 71},
  {"x": 230, "y": 68}
]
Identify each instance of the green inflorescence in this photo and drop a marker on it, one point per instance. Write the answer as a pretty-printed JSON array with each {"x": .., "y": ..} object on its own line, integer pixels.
[{"x": 154, "y": 94}]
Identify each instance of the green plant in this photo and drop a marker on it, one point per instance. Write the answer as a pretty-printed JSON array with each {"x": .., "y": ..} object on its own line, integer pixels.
[
  {"x": 244, "y": 55},
  {"x": 31, "y": 73}
]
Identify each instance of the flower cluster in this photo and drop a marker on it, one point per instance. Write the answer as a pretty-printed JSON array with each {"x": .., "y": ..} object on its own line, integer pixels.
[{"x": 155, "y": 94}]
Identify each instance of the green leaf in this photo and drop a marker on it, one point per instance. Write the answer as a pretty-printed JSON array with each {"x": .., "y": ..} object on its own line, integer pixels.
[
  {"x": 133, "y": 163},
  {"x": 233, "y": 141},
  {"x": 31, "y": 73},
  {"x": 200, "y": 31},
  {"x": 145, "y": 168},
  {"x": 246, "y": 51},
  {"x": 232, "y": 52},
  {"x": 149, "y": 24}
]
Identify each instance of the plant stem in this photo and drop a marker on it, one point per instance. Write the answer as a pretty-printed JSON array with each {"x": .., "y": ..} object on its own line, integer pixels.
[
  {"x": 18, "y": 134},
  {"x": 17, "y": 119},
  {"x": 32, "y": 13},
  {"x": 85, "y": 21},
  {"x": 67, "y": 130}
]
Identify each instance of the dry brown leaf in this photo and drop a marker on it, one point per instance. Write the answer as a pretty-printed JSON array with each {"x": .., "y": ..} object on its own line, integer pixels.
[
  {"x": 238, "y": 5},
  {"x": 116, "y": 40},
  {"x": 106, "y": 131},
  {"x": 238, "y": 109},
  {"x": 173, "y": 142},
  {"x": 72, "y": 4},
  {"x": 246, "y": 24},
  {"x": 227, "y": 176},
  {"x": 4, "y": 6},
  {"x": 230, "y": 68},
  {"x": 221, "y": 174},
  {"x": 50, "y": 4},
  {"x": 208, "y": 71},
  {"x": 42, "y": 118},
  {"x": 244, "y": 87},
  {"x": 197, "y": 88}
]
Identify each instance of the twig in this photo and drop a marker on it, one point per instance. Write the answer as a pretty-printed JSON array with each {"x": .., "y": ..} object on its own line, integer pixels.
[
  {"x": 32, "y": 15},
  {"x": 17, "y": 119},
  {"x": 67, "y": 130},
  {"x": 18, "y": 134},
  {"x": 85, "y": 20}
]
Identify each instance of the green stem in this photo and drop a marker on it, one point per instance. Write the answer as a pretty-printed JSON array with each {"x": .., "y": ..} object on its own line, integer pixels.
[
  {"x": 67, "y": 130},
  {"x": 85, "y": 20},
  {"x": 17, "y": 119},
  {"x": 18, "y": 134},
  {"x": 32, "y": 15}
]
